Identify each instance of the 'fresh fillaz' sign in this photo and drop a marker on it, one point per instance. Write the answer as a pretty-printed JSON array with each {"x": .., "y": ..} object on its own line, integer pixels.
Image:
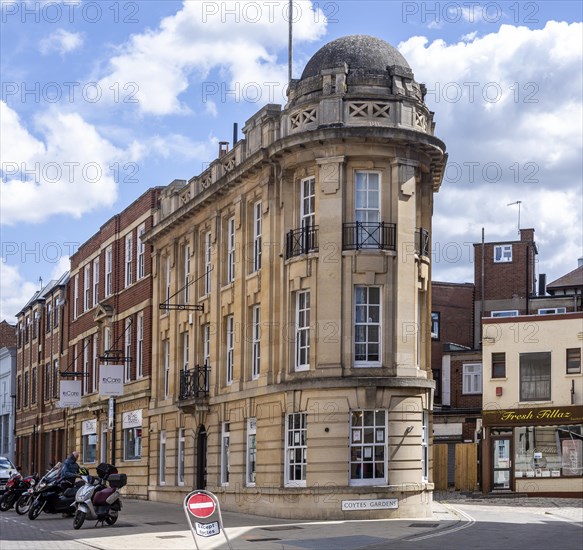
[{"x": 111, "y": 380}]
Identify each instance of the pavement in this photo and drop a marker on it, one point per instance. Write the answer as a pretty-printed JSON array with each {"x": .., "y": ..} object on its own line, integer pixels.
[{"x": 145, "y": 525}]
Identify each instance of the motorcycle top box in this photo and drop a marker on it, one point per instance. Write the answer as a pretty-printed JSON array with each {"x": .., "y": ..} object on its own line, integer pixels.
[
  {"x": 104, "y": 470},
  {"x": 117, "y": 480}
]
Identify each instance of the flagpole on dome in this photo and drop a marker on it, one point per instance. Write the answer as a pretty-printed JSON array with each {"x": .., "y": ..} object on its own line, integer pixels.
[{"x": 289, "y": 48}]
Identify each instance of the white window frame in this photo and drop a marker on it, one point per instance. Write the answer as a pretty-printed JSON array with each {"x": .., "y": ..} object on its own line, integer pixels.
[
  {"x": 302, "y": 347},
  {"x": 76, "y": 296},
  {"x": 367, "y": 324},
  {"x": 140, "y": 346},
  {"x": 502, "y": 253},
  {"x": 206, "y": 344},
  {"x": 552, "y": 310},
  {"x": 208, "y": 248},
  {"x": 95, "y": 281},
  {"x": 504, "y": 313},
  {"x": 86, "y": 348},
  {"x": 231, "y": 250},
  {"x": 141, "y": 261},
  {"x": 472, "y": 378},
  {"x": 425, "y": 446},
  {"x": 186, "y": 273},
  {"x": 129, "y": 258},
  {"x": 251, "y": 452},
  {"x": 225, "y": 464},
  {"x": 257, "y": 229},
  {"x": 308, "y": 202},
  {"x": 87, "y": 288},
  {"x": 536, "y": 379},
  {"x": 255, "y": 342},
  {"x": 106, "y": 339},
  {"x": 296, "y": 449},
  {"x": 86, "y": 444},
  {"x": 180, "y": 457},
  {"x": 128, "y": 350},
  {"x": 230, "y": 347},
  {"x": 162, "y": 468},
  {"x": 48, "y": 318},
  {"x": 137, "y": 444},
  {"x": 364, "y": 213},
  {"x": 108, "y": 271},
  {"x": 166, "y": 368},
  {"x": 95, "y": 362},
  {"x": 185, "y": 349},
  {"x": 376, "y": 433}
]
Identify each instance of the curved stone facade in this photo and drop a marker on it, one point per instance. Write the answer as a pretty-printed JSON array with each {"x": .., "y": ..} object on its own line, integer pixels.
[{"x": 307, "y": 248}]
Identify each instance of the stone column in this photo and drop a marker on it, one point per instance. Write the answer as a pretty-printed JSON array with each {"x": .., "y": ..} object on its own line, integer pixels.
[
  {"x": 404, "y": 189},
  {"x": 329, "y": 279}
]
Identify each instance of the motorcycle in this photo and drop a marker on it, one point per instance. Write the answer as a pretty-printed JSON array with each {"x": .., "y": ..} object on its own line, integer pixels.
[
  {"x": 25, "y": 500},
  {"x": 56, "y": 496},
  {"x": 99, "y": 498},
  {"x": 16, "y": 486}
]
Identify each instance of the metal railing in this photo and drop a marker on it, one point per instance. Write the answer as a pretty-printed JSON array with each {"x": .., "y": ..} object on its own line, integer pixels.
[
  {"x": 301, "y": 241},
  {"x": 194, "y": 382},
  {"x": 366, "y": 235}
]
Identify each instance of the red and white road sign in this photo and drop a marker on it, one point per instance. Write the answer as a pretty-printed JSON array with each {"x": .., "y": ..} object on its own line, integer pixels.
[{"x": 201, "y": 505}]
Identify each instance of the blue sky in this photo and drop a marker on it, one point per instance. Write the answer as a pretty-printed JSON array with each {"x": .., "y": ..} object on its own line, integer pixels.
[{"x": 101, "y": 100}]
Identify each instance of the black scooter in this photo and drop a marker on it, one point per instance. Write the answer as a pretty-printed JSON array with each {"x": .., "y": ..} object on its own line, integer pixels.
[{"x": 56, "y": 497}]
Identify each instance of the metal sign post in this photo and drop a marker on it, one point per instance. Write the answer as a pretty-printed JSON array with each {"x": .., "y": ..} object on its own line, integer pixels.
[{"x": 203, "y": 514}]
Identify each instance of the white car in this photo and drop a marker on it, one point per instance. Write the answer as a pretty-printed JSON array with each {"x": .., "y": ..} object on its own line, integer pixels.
[{"x": 6, "y": 470}]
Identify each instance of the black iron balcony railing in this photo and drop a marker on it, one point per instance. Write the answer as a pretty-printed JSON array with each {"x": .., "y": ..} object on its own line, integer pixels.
[
  {"x": 366, "y": 235},
  {"x": 194, "y": 382},
  {"x": 301, "y": 241},
  {"x": 422, "y": 242}
]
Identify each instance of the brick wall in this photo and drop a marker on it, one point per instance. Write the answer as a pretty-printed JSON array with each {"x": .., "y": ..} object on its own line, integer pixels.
[
  {"x": 7, "y": 335},
  {"x": 505, "y": 280}
]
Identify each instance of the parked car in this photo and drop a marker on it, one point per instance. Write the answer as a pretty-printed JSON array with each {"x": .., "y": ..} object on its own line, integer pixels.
[{"x": 6, "y": 470}]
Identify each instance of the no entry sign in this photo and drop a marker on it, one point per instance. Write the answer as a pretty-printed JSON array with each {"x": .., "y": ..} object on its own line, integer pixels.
[{"x": 201, "y": 505}]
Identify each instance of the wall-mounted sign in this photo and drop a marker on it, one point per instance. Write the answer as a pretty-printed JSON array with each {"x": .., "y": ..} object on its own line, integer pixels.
[
  {"x": 70, "y": 393},
  {"x": 370, "y": 504},
  {"x": 539, "y": 416},
  {"x": 132, "y": 419},
  {"x": 111, "y": 380},
  {"x": 89, "y": 427}
]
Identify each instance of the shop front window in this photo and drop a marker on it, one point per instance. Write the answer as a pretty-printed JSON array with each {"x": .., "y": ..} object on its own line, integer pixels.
[{"x": 549, "y": 451}]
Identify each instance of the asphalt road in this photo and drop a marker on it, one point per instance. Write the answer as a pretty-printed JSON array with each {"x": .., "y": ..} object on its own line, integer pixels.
[{"x": 457, "y": 525}]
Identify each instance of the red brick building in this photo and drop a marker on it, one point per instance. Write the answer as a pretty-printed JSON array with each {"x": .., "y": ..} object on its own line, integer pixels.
[
  {"x": 42, "y": 332},
  {"x": 7, "y": 335},
  {"x": 110, "y": 311}
]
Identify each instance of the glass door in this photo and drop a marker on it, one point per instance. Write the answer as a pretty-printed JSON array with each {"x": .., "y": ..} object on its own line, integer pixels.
[{"x": 502, "y": 464}]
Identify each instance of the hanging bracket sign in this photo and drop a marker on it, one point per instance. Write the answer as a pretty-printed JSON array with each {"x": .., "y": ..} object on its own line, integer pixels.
[{"x": 203, "y": 514}]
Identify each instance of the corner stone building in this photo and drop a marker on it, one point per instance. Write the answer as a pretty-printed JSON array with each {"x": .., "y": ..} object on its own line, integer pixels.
[{"x": 305, "y": 382}]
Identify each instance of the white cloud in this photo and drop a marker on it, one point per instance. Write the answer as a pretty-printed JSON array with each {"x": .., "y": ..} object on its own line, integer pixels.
[
  {"x": 518, "y": 138},
  {"x": 239, "y": 38},
  {"x": 67, "y": 172},
  {"x": 61, "y": 41},
  {"x": 14, "y": 291}
]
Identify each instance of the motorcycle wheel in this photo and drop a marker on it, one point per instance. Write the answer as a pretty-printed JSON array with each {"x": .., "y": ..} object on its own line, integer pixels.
[
  {"x": 6, "y": 502},
  {"x": 79, "y": 519},
  {"x": 35, "y": 509},
  {"x": 110, "y": 520},
  {"x": 23, "y": 504}
]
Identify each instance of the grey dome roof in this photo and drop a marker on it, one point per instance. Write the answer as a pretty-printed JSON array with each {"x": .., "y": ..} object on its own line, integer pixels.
[{"x": 358, "y": 52}]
